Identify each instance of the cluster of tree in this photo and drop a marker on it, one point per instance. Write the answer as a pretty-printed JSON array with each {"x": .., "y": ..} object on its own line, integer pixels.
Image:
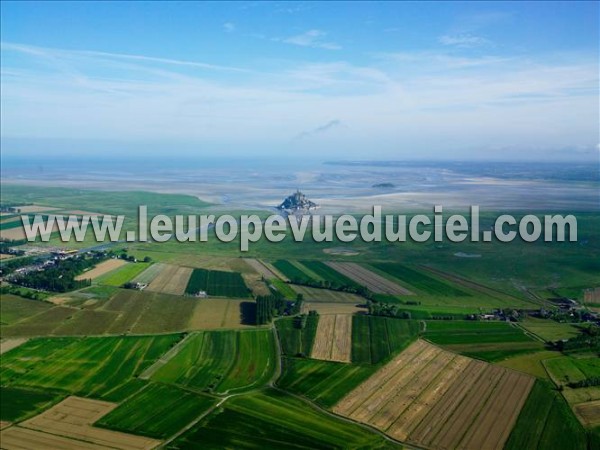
[
  {"x": 275, "y": 305},
  {"x": 60, "y": 275},
  {"x": 588, "y": 382},
  {"x": 301, "y": 320},
  {"x": 22, "y": 292},
  {"x": 588, "y": 340},
  {"x": 269, "y": 306},
  {"x": 6, "y": 247},
  {"x": 332, "y": 286},
  {"x": 131, "y": 258},
  {"x": 10, "y": 265},
  {"x": 387, "y": 310},
  {"x": 565, "y": 315},
  {"x": 296, "y": 307},
  {"x": 12, "y": 207}
]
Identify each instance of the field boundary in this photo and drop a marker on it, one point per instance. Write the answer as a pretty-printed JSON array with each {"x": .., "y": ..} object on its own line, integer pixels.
[{"x": 164, "y": 359}]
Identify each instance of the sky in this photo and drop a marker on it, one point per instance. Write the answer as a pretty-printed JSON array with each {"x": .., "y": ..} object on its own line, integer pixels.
[{"x": 357, "y": 80}]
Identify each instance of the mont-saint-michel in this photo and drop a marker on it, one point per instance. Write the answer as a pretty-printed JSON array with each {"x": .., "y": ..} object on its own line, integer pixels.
[{"x": 297, "y": 203}]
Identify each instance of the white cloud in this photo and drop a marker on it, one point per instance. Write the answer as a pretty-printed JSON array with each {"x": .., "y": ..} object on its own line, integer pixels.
[
  {"x": 399, "y": 101},
  {"x": 312, "y": 38},
  {"x": 463, "y": 40},
  {"x": 228, "y": 27}
]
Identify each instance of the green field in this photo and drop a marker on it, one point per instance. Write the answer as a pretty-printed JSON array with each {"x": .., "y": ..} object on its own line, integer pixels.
[
  {"x": 122, "y": 275},
  {"x": 157, "y": 411},
  {"x": 567, "y": 369},
  {"x": 296, "y": 341},
  {"x": 549, "y": 330},
  {"x": 97, "y": 367},
  {"x": 546, "y": 422},
  {"x": 128, "y": 311},
  {"x": 323, "y": 382},
  {"x": 292, "y": 271},
  {"x": 490, "y": 341},
  {"x": 118, "y": 202},
  {"x": 275, "y": 420},
  {"x": 284, "y": 288},
  {"x": 14, "y": 309},
  {"x": 375, "y": 339},
  {"x": 531, "y": 363},
  {"x": 316, "y": 295},
  {"x": 19, "y": 404},
  {"x": 222, "y": 361},
  {"x": 217, "y": 283},
  {"x": 420, "y": 281},
  {"x": 328, "y": 274}
]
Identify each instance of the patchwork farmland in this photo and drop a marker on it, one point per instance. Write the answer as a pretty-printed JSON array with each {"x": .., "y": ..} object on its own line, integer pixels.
[
  {"x": 316, "y": 295},
  {"x": 436, "y": 399},
  {"x": 260, "y": 268},
  {"x": 376, "y": 339},
  {"x": 101, "y": 269},
  {"x": 271, "y": 419},
  {"x": 171, "y": 409},
  {"x": 217, "y": 283},
  {"x": 490, "y": 341},
  {"x": 122, "y": 275},
  {"x": 68, "y": 425},
  {"x": 333, "y": 340},
  {"x": 425, "y": 283},
  {"x": 221, "y": 361},
  {"x": 313, "y": 273},
  {"x": 127, "y": 311},
  {"x": 323, "y": 382},
  {"x": 372, "y": 281},
  {"x": 148, "y": 275},
  {"x": 171, "y": 280},
  {"x": 588, "y": 413},
  {"x": 64, "y": 364}
]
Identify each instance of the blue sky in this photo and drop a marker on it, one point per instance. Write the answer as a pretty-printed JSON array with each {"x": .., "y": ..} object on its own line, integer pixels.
[{"x": 327, "y": 80}]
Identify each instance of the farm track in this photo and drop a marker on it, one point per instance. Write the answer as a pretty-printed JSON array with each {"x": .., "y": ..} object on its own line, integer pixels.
[{"x": 164, "y": 359}]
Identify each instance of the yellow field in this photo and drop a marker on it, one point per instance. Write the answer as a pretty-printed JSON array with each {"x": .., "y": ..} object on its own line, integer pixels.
[
  {"x": 68, "y": 425},
  {"x": 101, "y": 269},
  {"x": 591, "y": 295},
  {"x": 437, "y": 399},
  {"x": 171, "y": 280},
  {"x": 333, "y": 340},
  {"x": 332, "y": 308},
  {"x": 9, "y": 344},
  {"x": 588, "y": 413},
  {"x": 210, "y": 314},
  {"x": 260, "y": 268},
  {"x": 371, "y": 280}
]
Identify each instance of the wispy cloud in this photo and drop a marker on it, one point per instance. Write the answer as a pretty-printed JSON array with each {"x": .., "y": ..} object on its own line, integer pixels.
[
  {"x": 319, "y": 130},
  {"x": 229, "y": 27},
  {"x": 463, "y": 40},
  {"x": 58, "y": 93},
  {"x": 46, "y": 52},
  {"x": 312, "y": 38}
]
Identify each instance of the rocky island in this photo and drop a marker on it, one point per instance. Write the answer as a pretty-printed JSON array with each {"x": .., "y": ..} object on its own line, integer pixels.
[{"x": 297, "y": 203}]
